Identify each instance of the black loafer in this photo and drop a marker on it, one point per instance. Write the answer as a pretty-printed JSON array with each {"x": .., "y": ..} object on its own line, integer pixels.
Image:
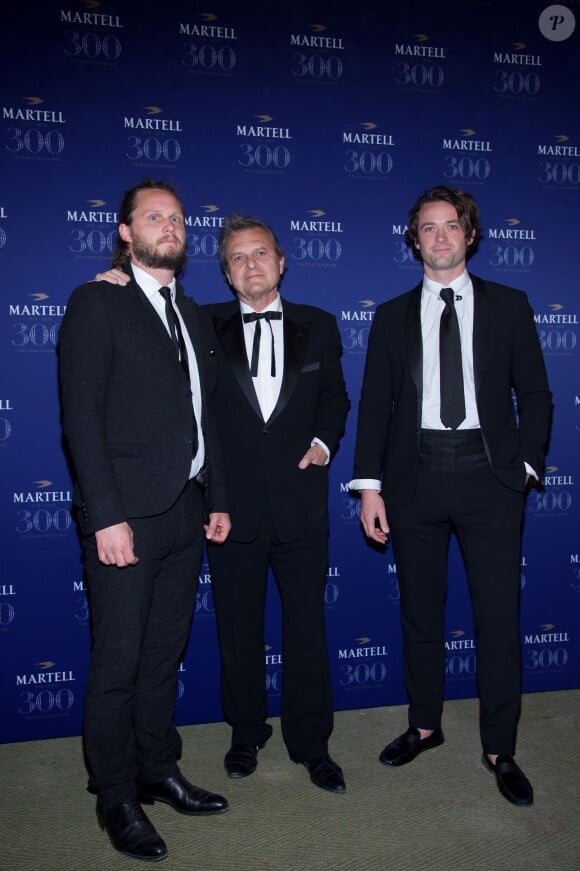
[
  {"x": 183, "y": 796},
  {"x": 131, "y": 832},
  {"x": 408, "y": 745},
  {"x": 326, "y": 773},
  {"x": 511, "y": 780},
  {"x": 242, "y": 759}
]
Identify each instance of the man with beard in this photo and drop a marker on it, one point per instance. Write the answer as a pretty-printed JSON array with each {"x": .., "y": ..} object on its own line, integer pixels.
[{"x": 137, "y": 370}]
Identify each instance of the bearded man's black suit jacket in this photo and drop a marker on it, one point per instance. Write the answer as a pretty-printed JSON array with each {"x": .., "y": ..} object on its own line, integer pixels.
[{"x": 128, "y": 420}]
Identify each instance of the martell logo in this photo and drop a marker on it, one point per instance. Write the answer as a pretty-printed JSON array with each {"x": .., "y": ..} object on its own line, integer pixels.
[
  {"x": 362, "y": 314},
  {"x": 512, "y": 231},
  {"x": 316, "y": 39},
  {"x": 38, "y": 309},
  {"x": 368, "y": 137},
  {"x": 467, "y": 142},
  {"x": 42, "y": 495},
  {"x": 556, "y": 316},
  {"x": 45, "y": 676},
  {"x": 207, "y": 30},
  {"x": 419, "y": 48},
  {"x": 546, "y": 635},
  {"x": 364, "y": 650},
  {"x": 91, "y": 215},
  {"x": 315, "y": 225},
  {"x": 209, "y": 220},
  {"x": 559, "y": 150},
  {"x": 152, "y": 123},
  {"x": 458, "y": 642},
  {"x": 551, "y": 479},
  {"x": 90, "y": 19},
  {"x": 261, "y": 131},
  {"x": 517, "y": 57},
  {"x": 33, "y": 114}
]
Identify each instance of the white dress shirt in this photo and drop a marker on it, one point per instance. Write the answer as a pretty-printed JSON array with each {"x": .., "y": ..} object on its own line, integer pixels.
[
  {"x": 267, "y": 387},
  {"x": 432, "y": 307},
  {"x": 150, "y": 287}
]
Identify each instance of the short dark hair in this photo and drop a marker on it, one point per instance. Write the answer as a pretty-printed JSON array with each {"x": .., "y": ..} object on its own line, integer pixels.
[
  {"x": 234, "y": 223},
  {"x": 128, "y": 205},
  {"x": 464, "y": 205}
]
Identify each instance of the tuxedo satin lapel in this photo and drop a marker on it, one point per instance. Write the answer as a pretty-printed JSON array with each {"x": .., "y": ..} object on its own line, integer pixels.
[
  {"x": 295, "y": 344},
  {"x": 481, "y": 331},
  {"x": 230, "y": 334},
  {"x": 414, "y": 345}
]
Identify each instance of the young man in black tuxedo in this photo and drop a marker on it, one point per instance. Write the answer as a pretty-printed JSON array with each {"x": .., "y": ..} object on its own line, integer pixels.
[
  {"x": 137, "y": 370},
  {"x": 440, "y": 448}
]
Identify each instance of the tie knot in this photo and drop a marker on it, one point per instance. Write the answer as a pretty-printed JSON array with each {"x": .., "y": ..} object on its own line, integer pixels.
[
  {"x": 165, "y": 293},
  {"x": 249, "y": 317},
  {"x": 447, "y": 294}
]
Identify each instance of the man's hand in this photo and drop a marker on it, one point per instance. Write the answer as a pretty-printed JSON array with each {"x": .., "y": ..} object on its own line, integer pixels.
[
  {"x": 218, "y": 528},
  {"x": 316, "y": 456},
  {"x": 115, "y": 546},
  {"x": 373, "y": 516},
  {"x": 113, "y": 276}
]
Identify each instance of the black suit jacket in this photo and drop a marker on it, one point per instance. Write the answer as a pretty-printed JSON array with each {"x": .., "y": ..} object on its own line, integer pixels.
[
  {"x": 507, "y": 357},
  {"x": 262, "y": 456},
  {"x": 126, "y": 406}
]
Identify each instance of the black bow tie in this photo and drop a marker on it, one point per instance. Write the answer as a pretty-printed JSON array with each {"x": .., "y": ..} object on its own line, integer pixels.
[{"x": 249, "y": 318}]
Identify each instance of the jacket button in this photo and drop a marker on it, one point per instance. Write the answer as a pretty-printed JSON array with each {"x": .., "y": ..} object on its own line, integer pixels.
[{"x": 265, "y": 431}]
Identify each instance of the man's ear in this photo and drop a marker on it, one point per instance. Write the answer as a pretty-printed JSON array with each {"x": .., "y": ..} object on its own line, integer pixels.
[{"x": 125, "y": 232}]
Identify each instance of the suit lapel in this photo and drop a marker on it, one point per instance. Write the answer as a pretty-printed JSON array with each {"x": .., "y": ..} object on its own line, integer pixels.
[
  {"x": 414, "y": 345},
  {"x": 295, "y": 343},
  {"x": 154, "y": 319},
  {"x": 481, "y": 331},
  {"x": 230, "y": 333}
]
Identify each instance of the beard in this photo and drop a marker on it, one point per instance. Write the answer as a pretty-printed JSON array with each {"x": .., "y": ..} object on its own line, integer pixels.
[{"x": 149, "y": 256}]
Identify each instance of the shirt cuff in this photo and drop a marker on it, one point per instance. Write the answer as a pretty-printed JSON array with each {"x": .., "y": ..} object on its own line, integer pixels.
[
  {"x": 530, "y": 471},
  {"x": 324, "y": 447},
  {"x": 365, "y": 484}
]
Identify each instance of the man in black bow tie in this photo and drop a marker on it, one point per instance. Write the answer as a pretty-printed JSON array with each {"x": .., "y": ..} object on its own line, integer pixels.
[
  {"x": 137, "y": 368},
  {"x": 281, "y": 406},
  {"x": 439, "y": 437}
]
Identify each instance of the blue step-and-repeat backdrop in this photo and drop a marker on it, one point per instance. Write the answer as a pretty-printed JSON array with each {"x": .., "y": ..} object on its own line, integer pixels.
[{"x": 326, "y": 120}]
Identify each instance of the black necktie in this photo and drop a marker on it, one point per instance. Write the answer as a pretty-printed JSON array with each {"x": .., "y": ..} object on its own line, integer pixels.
[
  {"x": 175, "y": 329},
  {"x": 452, "y": 396},
  {"x": 179, "y": 344},
  {"x": 257, "y": 317}
]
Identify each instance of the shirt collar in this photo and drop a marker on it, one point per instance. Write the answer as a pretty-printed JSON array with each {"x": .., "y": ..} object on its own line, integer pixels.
[
  {"x": 148, "y": 284},
  {"x": 461, "y": 284},
  {"x": 275, "y": 306}
]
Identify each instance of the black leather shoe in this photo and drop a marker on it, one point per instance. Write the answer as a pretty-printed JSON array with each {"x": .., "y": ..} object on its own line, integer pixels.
[
  {"x": 131, "y": 832},
  {"x": 183, "y": 796},
  {"x": 511, "y": 780},
  {"x": 408, "y": 745},
  {"x": 242, "y": 759},
  {"x": 326, "y": 773}
]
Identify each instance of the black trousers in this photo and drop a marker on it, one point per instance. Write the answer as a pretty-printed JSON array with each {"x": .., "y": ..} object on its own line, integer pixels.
[
  {"x": 141, "y": 616},
  {"x": 458, "y": 493},
  {"x": 239, "y": 580}
]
